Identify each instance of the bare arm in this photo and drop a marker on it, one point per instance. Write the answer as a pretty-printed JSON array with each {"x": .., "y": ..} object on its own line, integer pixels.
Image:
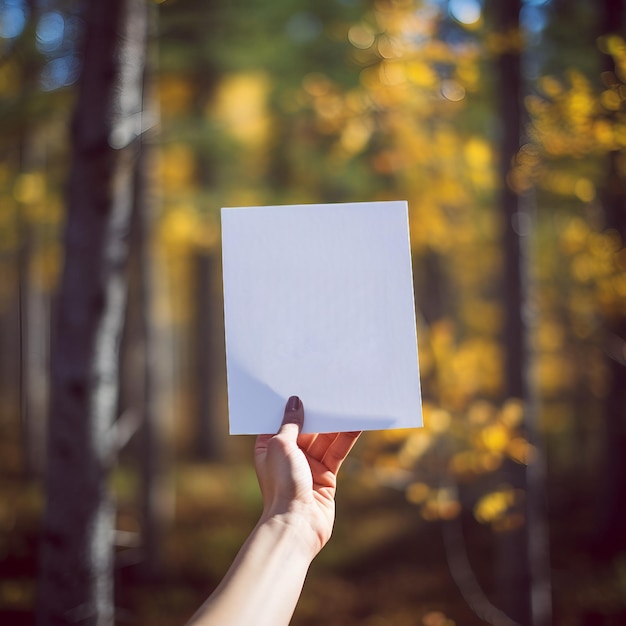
[{"x": 298, "y": 476}]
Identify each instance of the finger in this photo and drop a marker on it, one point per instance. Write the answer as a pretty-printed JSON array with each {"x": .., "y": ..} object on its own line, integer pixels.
[
  {"x": 293, "y": 418},
  {"x": 305, "y": 440},
  {"x": 320, "y": 445},
  {"x": 338, "y": 450},
  {"x": 260, "y": 445}
]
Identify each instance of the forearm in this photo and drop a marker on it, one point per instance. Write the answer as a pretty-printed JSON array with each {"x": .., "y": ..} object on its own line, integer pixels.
[{"x": 264, "y": 582}]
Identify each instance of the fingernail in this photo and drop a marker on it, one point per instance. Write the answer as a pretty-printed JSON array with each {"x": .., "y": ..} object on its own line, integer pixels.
[{"x": 293, "y": 404}]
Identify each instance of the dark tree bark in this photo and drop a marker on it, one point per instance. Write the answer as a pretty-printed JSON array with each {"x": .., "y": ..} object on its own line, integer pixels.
[
  {"x": 210, "y": 444},
  {"x": 523, "y": 553},
  {"x": 512, "y": 564},
  {"x": 157, "y": 496},
  {"x": 34, "y": 312},
  {"x": 76, "y": 573},
  {"x": 612, "y": 504},
  {"x": 34, "y": 316}
]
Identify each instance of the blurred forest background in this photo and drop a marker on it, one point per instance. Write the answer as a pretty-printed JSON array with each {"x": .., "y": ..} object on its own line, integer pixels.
[{"x": 125, "y": 126}]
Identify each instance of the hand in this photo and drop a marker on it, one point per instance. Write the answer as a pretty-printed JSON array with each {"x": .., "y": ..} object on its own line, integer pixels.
[{"x": 297, "y": 474}]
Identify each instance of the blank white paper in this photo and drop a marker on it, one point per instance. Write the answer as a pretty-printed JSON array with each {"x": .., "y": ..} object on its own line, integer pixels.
[{"x": 318, "y": 302}]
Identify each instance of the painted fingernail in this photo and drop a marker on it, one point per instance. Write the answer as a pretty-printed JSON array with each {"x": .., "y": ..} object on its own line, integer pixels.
[{"x": 293, "y": 404}]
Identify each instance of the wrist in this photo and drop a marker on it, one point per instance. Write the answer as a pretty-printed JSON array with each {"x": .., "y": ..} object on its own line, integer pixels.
[{"x": 295, "y": 526}]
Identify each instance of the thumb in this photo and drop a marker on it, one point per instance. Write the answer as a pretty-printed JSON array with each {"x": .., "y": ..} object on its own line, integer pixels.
[
  {"x": 293, "y": 418},
  {"x": 290, "y": 427}
]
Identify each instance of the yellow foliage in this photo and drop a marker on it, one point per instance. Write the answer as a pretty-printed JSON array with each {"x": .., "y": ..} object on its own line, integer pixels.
[
  {"x": 603, "y": 133},
  {"x": 553, "y": 372},
  {"x": 495, "y": 505},
  {"x": 241, "y": 106},
  {"x": 476, "y": 366},
  {"x": 574, "y": 235},
  {"x": 46, "y": 266},
  {"x": 176, "y": 94},
  {"x": 361, "y": 36},
  {"x": 177, "y": 167},
  {"x": 30, "y": 187},
  {"x": 440, "y": 504},
  {"x": 469, "y": 73},
  {"x": 396, "y": 435},
  {"x": 475, "y": 462},
  {"x": 414, "y": 448},
  {"x": 521, "y": 451},
  {"x": 495, "y": 437},
  {"x": 437, "y": 618},
  {"x": 416, "y": 493},
  {"x": 356, "y": 135},
  {"x": 611, "y": 100},
  {"x": 512, "y": 413},
  {"x": 179, "y": 227},
  {"x": 479, "y": 158},
  {"x": 615, "y": 46},
  {"x": 439, "y": 421},
  {"x": 550, "y": 335},
  {"x": 465, "y": 462},
  {"x": 489, "y": 461},
  {"x": 511, "y": 41},
  {"x": 46, "y": 211},
  {"x": 481, "y": 412},
  {"x": 442, "y": 339},
  {"x": 482, "y": 317},
  {"x": 10, "y": 78},
  {"x": 585, "y": 190},
  {"x": 420, "y": 73}
]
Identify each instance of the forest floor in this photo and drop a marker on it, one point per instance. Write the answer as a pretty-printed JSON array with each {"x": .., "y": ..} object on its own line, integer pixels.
[{"x": 384, "y": 566}]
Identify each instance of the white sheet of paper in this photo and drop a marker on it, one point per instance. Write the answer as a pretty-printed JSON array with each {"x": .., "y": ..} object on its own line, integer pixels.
[{"x": 318, "y": 302}]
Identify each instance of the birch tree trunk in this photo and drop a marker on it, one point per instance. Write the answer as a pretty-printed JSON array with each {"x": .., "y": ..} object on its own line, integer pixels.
[{"x": 76, "y": 574}]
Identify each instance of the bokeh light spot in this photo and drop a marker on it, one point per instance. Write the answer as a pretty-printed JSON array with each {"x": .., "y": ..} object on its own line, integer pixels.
[{"x": 465, "y": 11}]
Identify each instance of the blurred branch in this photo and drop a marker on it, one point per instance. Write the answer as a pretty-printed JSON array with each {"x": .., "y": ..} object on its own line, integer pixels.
[
  {"x": 464, "y": 576},
  {"x": 125, "y": 427}
]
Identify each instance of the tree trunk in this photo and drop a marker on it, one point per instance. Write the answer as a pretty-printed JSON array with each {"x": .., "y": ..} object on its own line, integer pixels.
[
  {"x": 523, "y": 553},
  {"x": 612, "y": 504},
  {"x": 512, "y": 562},
  {"x": 157, "y": 498},
  {"x": 34, "y": 316},
  {"x": 210, "y": 444},
  {"x": 76, "y": 574}
]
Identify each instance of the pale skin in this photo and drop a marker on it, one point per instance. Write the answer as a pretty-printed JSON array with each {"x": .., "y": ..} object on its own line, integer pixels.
[{"x": 297, "y": 474}]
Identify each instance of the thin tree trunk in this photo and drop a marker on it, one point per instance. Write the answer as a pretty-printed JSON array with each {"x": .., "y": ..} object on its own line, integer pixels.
[
  {"x": 34, "y": 315},
  {"x": 511, "y": 556},
  {"x": 32, "y": 302},
  {"x": 523, "y": 558},
  {"x": 34, "y": 348},
  {"x": 9, "y": 341},
  {"x": 157, "y": 498},
  {"x": 76, "y": 574},
  {"x": 210, "y": 444},
  {"x": 612, "y": 504}
]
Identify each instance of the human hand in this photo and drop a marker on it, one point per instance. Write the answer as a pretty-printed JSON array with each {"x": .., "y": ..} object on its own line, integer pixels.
[{"x": 297, "y": 474}]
